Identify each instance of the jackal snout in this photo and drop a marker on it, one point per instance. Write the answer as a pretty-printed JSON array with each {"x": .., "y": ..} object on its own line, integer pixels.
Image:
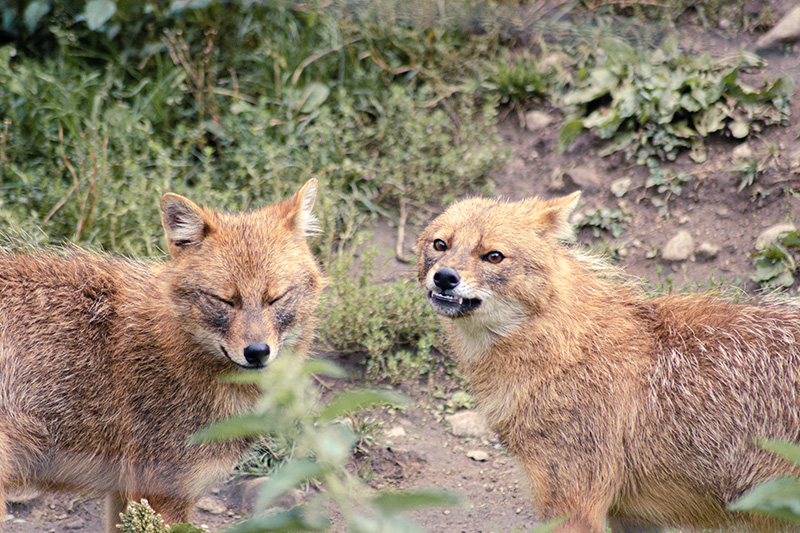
[
  {"x": 446, "y": 278},
  {"x": 257, "y": 354}
]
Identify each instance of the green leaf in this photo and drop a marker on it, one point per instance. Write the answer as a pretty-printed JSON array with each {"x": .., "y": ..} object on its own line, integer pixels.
[
  {"x": 236, "y": 427},
  {"x": 569, "y": 133},
  {"x": 285, "y": 478},
  {"x": 739, "y": 128},
  {"x": 323, "y": 367},
  {"x": 98, "y": 12},
  {"x": 286, "y": 522},
  {"x": 351, "y": 401},
  {"x": 788, "y": 450},
  {"x": 180, "y": 5},
  {"x": 400, "y": 502},
  {"x": 778, "y": 497},
  {"x": 599, "y": 84},
  {"x": 34, "y": 12},
  {"x": 618, "y": 51},
  {"x": 313, "y": 97},
  {"x": 185, "y": 528}
]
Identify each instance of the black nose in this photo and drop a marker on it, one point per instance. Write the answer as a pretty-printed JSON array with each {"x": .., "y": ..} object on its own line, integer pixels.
[
  {"x": 256, "y": 354},
  {"x": 446, "y": 278}
]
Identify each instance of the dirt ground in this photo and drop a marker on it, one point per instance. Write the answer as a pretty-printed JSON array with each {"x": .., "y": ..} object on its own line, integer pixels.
[{"x": 417, "y": 447}]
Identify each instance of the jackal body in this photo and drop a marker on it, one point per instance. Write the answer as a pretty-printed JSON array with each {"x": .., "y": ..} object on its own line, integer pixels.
[
  {"x": 639, "y": 410},
  {"x": 108, "y": 366}
]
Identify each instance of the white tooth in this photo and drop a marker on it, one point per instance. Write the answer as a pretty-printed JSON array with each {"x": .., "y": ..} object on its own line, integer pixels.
[{"x": 461, "y": 301}]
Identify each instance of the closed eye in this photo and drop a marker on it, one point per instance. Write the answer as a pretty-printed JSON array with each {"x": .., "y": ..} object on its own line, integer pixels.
[
  {"x": 272, "y": 299},
  {"x": 229, "y": 303}
]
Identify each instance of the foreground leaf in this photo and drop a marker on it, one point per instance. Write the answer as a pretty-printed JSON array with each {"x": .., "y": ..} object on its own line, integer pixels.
[
  {"x": 778, "y": 497},
  {"x": 400, "y": 502}
]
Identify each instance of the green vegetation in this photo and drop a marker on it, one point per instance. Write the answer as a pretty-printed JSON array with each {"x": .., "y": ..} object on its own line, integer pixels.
[
  {"x": 107, "y": 104},
  {"x": 651, "y": 105},
  {"x": 139, "y": 517},
  {"x": 780, "y": 497},
  {"x": 321, "y": 439},
  {"x": 390, "y": 322},
  {"x": 777, "y": 262}
]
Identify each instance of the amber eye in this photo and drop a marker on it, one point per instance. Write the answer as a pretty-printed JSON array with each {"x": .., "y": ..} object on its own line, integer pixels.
[
  {"x": 439, "y": 245},
  {"x": 494, "y": 257}
]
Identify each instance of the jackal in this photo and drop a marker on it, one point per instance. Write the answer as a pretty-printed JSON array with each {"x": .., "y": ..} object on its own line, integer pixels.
[
  {"x": 640, "y": 410},
  {"x": 109, "y": 365}
]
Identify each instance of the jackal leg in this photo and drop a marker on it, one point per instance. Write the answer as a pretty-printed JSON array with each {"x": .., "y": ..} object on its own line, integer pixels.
[
  {"x": 115, "y": 504},
  {"x": 172, "y": 509}
]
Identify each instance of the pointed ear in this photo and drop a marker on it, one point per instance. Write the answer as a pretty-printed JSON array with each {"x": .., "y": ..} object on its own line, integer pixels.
[
  {"x": 299, "y": 217},
  {"x": 554, "y": 215},
  {"x": 185, "y": 223}
]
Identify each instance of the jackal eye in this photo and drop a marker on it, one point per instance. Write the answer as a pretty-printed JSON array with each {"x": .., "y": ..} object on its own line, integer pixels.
[
  {"x": 270, "y": 300},
  {"x": 226, "y": 301},
  {"x": 439, "y": 245},
  {"x": 494, "y": 257}
]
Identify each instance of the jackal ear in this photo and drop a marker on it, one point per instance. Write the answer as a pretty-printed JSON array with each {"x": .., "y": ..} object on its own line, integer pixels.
[
  {"x": 184, "y": 222},
  {"x": 554, "y": 215},
  {"x": 297, "y": 209}
]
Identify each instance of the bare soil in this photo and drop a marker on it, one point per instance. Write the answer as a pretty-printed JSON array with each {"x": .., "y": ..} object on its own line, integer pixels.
[{"x": 417, "y": 448}]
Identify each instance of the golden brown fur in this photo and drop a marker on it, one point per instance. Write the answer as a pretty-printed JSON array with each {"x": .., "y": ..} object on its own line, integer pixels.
[
  {"x": 108, "y": 366},
  {"x": 616, "y": 405}
]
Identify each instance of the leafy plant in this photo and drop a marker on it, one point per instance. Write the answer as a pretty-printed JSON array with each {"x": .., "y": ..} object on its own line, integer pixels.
[
  {"x": 139, "y": 517},
  {"x": 518, "y": 80},
  {"x": 780, "y": 497},
  {"x": 653, "y": 105},
  {"x": 604, "y": 219},
  {"x": 290, "y": 411},
  {"x": 777, "y": 262}
]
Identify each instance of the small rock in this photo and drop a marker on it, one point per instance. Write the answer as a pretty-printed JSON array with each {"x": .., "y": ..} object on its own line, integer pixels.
[
  {"x": 212, "y": 505},
  {"x": 537, "y": 120},
  {"x": 478, "y": 455},
  {"x": 707, "y": 251},
  {"x": 785, "y": 31},
  {"x": 722, "y": 212},
  {"x": 468, "y": 424},
  {"x": 770, "y": 235},
  {"x": 679, "y": 247},
  {"x": 743, "y": 151},
  {"x": 396, "y": 431},
  {"x": 75, "y": 523},
  {"x": 584, "y": 177}
]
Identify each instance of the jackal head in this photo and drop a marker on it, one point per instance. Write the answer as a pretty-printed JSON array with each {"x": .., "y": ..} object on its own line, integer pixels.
[
  {"x": 244, "y": 285},
  {"x": 489, "y": 261}
]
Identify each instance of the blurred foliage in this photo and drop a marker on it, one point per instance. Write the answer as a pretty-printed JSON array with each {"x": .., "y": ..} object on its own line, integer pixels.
[
  {"x": 780, "y": 497},
  {"x": 321, "y": 439}
]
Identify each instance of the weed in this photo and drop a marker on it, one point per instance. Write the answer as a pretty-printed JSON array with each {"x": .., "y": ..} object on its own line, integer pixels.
[
  {"x": 604, "y": 219},
  {"x": 290, "y": 412},
  {"x": 518, "y": 81},
  {"x": 139, "y": 517},
  {"x": 651, "y": 106},
  {"x": 777, "y": 262}
]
